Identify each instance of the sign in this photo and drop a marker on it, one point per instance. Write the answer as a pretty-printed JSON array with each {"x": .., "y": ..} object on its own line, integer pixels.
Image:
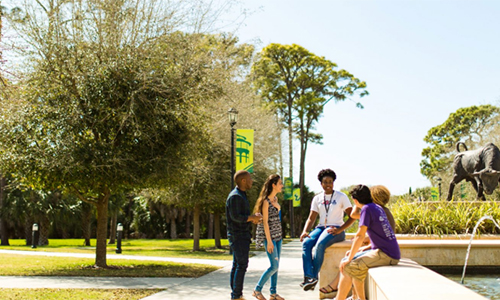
[
  {"x": 435, "y": 194},
  {"x": 244, "y": 150},
  {"x": 288, "y": 190},
  {"x": 296, "y": 197}
]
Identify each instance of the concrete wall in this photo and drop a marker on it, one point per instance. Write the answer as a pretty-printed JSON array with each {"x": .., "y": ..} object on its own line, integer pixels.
[{"x": 426, "y": 252}]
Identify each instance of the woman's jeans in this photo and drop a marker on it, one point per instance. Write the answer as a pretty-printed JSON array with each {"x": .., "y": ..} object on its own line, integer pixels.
[
  {"x": 274, "y": 259},
  {"x": 319, "y": 239}
]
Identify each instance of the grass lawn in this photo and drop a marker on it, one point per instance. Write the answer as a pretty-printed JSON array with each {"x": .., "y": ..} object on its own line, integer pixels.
[
  {"x": 165, "y": 248},
  {"x": 22, "y": 265},
  {"x": 74, "y": 294}
]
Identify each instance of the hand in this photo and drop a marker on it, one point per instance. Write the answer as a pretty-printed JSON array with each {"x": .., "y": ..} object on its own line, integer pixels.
[
  {"x": 333, "y": 230},
  {"x": 256, "y": 219},
  {"x": 270, "y": 247},
  {"x": 343, "y": 263},
  {"x": 303, "y": 236}
]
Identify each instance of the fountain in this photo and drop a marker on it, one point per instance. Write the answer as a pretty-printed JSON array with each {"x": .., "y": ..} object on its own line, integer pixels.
[{"x": 470, "y": 242}]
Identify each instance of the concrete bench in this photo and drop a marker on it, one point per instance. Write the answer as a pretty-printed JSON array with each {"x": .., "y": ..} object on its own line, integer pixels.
[{"x": 423, "y": 252}]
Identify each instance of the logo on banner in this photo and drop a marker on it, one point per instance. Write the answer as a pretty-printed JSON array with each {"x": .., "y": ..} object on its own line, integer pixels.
[{"x": 244, "y": 150}]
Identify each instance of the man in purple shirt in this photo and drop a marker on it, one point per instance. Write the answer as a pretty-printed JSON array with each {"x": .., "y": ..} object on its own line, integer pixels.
[{"x": 384, "y": 251}]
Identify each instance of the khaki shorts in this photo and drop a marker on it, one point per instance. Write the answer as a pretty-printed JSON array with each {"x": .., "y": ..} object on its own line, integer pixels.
[{"x": 358, "y": 268}]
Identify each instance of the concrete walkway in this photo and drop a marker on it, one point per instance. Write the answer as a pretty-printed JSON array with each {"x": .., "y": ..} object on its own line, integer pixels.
[{"x": 213, "y": 286}]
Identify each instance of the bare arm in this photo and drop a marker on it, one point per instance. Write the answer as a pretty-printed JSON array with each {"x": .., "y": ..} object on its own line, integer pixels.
[
  {"x": 265, "y": 220},
  {"x": 309, "y": 223}
]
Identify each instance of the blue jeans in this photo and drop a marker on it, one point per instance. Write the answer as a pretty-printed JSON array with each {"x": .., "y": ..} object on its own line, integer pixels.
[
  {"x": 274, "y": 259},
  {"x": 319, "y": 239},
  {"x": 240, "y": 248}
]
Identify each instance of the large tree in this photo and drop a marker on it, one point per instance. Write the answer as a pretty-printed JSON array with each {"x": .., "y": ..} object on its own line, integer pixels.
[
  {"x": 109, "y": 98},
  {"x": 298, "y": 84},
  {"x": 472, "y": 125}
]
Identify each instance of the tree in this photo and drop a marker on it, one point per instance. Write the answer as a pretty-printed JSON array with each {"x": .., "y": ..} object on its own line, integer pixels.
[
  {"x": 109, "y": 99},
  {"x": 472, "y": 125},
  {"x": 298, "y": 84}
]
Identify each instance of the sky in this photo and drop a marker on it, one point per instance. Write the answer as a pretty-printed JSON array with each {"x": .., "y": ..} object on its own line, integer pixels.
[{"x": 421, "y": 60}]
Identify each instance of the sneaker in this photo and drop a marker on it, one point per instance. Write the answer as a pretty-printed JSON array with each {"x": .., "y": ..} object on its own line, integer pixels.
[
  {"x": 309, "y": 284},
  {"x": 304, "y": 282}
]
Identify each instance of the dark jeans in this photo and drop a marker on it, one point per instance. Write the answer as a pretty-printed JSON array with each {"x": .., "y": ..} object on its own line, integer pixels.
[{"x": 240, "y": 248}]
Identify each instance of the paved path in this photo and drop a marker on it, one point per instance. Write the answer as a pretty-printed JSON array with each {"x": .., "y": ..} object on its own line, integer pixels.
[{"x": 213, "y": 286}]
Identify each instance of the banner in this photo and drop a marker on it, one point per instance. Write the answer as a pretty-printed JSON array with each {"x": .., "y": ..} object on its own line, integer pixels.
[
  {"x": 296, "y": 197},
  {"x": 244, "y": 150},
  {"x": 288, "y": 190},
  {"x": 435, "y": 194}
]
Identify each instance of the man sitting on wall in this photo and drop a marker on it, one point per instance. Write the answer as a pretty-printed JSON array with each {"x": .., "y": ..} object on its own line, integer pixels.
[{"x": 384, "y": 250}]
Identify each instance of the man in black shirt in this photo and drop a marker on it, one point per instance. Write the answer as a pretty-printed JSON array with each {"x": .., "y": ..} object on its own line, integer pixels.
[{"x": 239, "y": 230}]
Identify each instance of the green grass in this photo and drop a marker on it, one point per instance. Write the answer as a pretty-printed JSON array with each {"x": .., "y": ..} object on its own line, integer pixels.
[
  {"x": 164, "y": 248},
  {"x": 22, "y": 265},
  {"x": 74, "y": 294}
]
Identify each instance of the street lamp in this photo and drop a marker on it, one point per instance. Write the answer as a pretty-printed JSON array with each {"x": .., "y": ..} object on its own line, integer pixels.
[
  {"x": 233, "y": 119},
  {"x": 438, "y": 179},
  {"x": 119, "y": 230},
  {"x": 33, "y": 237}
]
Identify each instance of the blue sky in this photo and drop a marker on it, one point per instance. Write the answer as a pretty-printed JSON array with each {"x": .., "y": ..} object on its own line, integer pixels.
[{"x": 422, "y": 60}]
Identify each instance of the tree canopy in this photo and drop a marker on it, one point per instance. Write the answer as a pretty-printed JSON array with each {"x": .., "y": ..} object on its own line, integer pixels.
[
  {"x": 472, "y": 125},
  {"x": 298, "y": 84}
]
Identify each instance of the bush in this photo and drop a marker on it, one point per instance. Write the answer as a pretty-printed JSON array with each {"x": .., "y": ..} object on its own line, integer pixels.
[{"x": 444, "y": 217}]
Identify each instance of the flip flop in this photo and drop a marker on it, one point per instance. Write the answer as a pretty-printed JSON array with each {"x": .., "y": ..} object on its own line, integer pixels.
[{"x": 330, "y": 289}]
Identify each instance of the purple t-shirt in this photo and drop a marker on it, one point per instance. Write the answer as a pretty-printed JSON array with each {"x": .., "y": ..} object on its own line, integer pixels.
[{"x": 379, "y": 230}]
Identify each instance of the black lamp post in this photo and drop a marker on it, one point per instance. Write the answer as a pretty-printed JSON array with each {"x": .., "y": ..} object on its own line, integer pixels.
[
  {"x": 438, "y": 179},
  {"x": 233, "y": 119},
  {"x": 119, "y": 230},
  {"x": 33, "y": 237}
]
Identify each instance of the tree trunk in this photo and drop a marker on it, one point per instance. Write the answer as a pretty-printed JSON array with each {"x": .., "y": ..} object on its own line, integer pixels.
[
  {"x": 112, "y": 228},
  {"x": 188, "y": 224},
  {"x": 28, "y": 223},
  {"x": 303, "y": 148},
  {"x": 43, "y": 230},
  {"x": 102, "y": 226},
  {"x": 4, "y": 231},
  {"x": 196, "y": 228},
  {"x": 210, "y": 234},
  {"x": 173, "y": 228},
  {"x": 290, "y": 170},
  {"x": 86, "y": 222},
  {"x": 218, "y": 244}
]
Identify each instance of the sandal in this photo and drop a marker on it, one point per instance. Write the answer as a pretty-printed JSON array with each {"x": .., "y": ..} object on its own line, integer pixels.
[
  {"x": 327, "y": 289},
  {"x": 258, "y": 295},
  {"x": 276, "y": 297}
]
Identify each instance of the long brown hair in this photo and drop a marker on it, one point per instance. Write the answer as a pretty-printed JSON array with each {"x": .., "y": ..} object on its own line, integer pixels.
[{"x": 266, "y": 191}]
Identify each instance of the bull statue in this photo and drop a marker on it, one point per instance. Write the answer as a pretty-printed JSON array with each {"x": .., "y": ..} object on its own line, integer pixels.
[{"x": 481, "y": 167}]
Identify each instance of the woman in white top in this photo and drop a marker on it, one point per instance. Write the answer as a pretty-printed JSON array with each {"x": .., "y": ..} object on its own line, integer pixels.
[{"x": 330, "y": 206}]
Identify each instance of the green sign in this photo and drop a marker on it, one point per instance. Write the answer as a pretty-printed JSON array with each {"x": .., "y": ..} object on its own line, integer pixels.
[
  {"x": 435, "y": 194},
  {"x": 288, "y": 191},
  {"x": 296, "y": 197}
]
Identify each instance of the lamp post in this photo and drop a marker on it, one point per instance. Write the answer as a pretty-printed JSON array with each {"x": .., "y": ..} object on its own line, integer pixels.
[
  {"x": 119, "y": 230},
  {"x": 33, "y": 237},
  {"x": 233, "y": 119},
  {"x": 438, "y": 179}
]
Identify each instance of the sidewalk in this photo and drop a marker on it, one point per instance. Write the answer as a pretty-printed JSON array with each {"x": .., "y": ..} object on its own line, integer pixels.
[{"x": 215, "y": 286}]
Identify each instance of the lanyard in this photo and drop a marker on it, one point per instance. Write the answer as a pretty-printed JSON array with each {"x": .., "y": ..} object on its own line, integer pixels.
[{"x": 327, "y": 206}]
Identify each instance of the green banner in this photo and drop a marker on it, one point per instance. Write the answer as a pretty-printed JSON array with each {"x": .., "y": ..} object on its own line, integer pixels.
[
  {"x": 244, "y": 150},
  {"x": 435, "y": 194},
  {"x": 296, "y": 197},
  {"x": 288, "y": 190}
]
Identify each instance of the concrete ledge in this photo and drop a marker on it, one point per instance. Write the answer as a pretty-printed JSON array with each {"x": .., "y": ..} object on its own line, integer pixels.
[
  {"x": 410, "y": 281},
  {"x": 430, "y": 252}
]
